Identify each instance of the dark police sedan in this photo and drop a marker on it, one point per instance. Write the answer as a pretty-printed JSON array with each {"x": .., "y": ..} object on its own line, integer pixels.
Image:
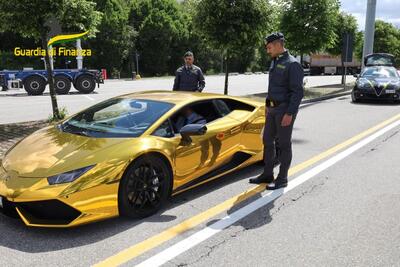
[{"x": 378, "y": 81}]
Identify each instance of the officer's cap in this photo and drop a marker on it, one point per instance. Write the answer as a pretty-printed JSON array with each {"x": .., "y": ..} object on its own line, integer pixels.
[
  {"x": 273, "y": 37},
  {"x": 188, "y": 54}
]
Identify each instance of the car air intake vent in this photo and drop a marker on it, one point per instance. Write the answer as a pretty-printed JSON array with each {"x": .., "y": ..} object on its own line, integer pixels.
[{"x": 48, "y": 212}]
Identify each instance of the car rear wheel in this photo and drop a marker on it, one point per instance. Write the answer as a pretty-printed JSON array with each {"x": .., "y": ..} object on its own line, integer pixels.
[{"x": 144, "y": 187}]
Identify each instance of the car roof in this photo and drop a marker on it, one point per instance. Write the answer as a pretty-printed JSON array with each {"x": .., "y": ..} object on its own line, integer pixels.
[{"x": 175, "y": 97}]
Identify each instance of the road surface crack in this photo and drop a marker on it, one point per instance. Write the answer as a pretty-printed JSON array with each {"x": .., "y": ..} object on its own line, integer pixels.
[
  {"x": 203, "y": 256},
  {"x": 375, "y": 148}
]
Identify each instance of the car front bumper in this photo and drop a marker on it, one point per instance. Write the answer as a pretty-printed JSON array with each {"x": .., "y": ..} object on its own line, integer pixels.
[
  {"x": 39, "y": 204},
  {"x": 370, "y": 94}
]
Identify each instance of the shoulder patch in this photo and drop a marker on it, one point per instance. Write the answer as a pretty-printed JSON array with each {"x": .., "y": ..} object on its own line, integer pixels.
[{"x": 280, "y": 66}]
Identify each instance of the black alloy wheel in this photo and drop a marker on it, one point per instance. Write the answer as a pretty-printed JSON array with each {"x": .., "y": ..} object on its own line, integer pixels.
[{"x": 144, "y": 187}]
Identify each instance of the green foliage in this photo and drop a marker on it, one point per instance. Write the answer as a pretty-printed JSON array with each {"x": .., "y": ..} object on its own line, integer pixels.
[
  {"x": 309, "y": 25},
  {"x": 28, "y": 17},
  {"x": 114, "y": 34},
  {"x": 387, "y": 39},
  {"x": 233, "y": 25},
  {"x": 63, "y": 113},
  {"x": 344, "y": 23},
  {"x": 236, "y": 27},
  {"x": 80, "y": 15},
  {"x": 161, "y": 26}
]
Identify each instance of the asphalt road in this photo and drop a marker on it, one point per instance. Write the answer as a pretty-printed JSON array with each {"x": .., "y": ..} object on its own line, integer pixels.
[
  {"x": 16, "y": 106},
  {"x": 343, "y": 215}
]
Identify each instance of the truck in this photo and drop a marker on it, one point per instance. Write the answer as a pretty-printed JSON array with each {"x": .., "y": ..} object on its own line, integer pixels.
[
  {"x": 328, "y": 64},
  {"x": 34, "y": 81}
]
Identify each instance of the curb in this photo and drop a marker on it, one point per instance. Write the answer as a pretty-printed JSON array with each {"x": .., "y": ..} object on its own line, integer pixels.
[{"x": 322, "y": 98}]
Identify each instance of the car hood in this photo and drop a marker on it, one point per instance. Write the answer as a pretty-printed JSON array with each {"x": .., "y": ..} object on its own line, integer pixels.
[{"x": 50, "y": 151}]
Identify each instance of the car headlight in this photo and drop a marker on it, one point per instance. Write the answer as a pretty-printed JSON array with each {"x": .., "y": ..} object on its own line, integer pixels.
[
  {"x": 68, "y": 177},
  {"x": 396, "y": 85},
  {"x": 364, "y": 83}
]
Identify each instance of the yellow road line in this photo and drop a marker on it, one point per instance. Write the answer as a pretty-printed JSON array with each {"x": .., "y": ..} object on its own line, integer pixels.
[{"x": 158, "y": 239}]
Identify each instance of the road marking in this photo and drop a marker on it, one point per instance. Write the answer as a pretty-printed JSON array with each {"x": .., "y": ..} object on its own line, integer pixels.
[
  {"x": 209, "y": 231},
  {"x": 90, "y": 98},
  {"x": 158, "y": 239}
]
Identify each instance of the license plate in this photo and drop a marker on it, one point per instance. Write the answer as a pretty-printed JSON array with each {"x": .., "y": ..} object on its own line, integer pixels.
[
  {"x": 390, "y": 91},
  {"x": 1, "y": 202}
]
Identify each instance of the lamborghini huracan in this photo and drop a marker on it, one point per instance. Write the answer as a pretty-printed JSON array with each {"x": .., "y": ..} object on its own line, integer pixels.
[{"x": 127, "y": 155}]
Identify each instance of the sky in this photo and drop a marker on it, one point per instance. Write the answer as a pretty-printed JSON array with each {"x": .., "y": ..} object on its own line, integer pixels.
[{"x": 386, "y": 10}]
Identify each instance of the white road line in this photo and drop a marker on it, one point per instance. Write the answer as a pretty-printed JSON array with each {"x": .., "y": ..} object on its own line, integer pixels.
[
  {"x": 196, "y": 238},
  {"x": 90, "y": 98}
]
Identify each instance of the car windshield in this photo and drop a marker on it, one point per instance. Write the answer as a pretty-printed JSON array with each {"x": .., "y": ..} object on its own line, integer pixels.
[
  {"x": 117, "y": 117},
  {"x": 379, "y": 72}
]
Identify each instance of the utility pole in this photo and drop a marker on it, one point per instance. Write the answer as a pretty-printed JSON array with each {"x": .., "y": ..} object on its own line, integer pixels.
[
  {"x": 369, "y": 29},
  {"x": 79, "y": 58}
]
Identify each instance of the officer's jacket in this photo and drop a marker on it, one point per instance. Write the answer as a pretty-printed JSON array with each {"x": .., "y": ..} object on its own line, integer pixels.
[
  {"x": 286, "y": 81},
  {"x": 189, "y": 79}
]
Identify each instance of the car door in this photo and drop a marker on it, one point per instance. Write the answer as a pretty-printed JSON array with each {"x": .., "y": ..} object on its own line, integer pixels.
[{"x": 205, "y": 152}]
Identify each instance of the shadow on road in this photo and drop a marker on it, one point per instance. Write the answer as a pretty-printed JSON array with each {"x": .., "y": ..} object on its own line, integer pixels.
[{"x": 256, "y": 219}]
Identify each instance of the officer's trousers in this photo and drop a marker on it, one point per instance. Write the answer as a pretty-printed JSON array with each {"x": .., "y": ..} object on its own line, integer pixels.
[{"x": 274, "y": 131}]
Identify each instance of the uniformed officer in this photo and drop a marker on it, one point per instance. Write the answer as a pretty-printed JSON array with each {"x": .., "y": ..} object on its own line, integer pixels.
[
  {"x": 189, "y": 77},
  {"x": 285, "y": 91}
]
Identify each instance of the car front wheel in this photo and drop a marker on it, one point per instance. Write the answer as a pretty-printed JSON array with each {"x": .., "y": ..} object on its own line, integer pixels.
[{"x": 144, "y": 187}]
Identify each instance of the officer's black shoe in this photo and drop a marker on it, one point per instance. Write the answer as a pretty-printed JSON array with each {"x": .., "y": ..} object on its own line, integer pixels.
[
  {"x": 277, "y": 184},
  {"x": 262, "y": 179}
]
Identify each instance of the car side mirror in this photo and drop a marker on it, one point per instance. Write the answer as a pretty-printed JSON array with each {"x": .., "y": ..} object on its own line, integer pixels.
[
  {"x": 191, "y": 130},
  {"x": 356, "y": 75}
]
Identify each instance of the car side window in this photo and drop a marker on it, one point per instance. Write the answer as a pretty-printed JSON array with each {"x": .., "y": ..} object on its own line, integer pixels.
[
  {"x": 222, "y": 107},
  {"x": 164, "y": 130}
]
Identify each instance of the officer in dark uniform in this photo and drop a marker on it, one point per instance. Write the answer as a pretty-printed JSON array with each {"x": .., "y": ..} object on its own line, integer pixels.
[
  {"x": 189, "y": 77},
  {"x": 285, "y": 91}
]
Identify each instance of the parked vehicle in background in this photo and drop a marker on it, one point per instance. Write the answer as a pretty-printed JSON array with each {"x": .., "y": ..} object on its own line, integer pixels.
[
  {"x": 379, "y": 79},
  {"x": 326, "y": 64},
  {"x": 34, "y": 81}
]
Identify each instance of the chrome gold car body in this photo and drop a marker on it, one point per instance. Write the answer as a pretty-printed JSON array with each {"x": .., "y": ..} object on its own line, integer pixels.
[{"x": 232, "y": 141}]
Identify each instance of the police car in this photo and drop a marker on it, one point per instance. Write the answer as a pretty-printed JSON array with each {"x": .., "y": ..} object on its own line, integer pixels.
[{"x": 378, "y": 81}]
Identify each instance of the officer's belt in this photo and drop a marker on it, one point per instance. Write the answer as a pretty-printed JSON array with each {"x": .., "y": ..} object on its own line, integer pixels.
[{"x": 272, "y": 103}]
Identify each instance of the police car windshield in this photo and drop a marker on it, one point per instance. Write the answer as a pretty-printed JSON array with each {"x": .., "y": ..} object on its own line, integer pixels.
[
  {"x": 118, "y": 117},
  {"x": 379, "y": 72}
]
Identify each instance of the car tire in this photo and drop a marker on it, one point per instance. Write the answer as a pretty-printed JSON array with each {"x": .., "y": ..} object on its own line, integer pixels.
[
  {"x": 34, "y": 85},
  {"x": 145, "y": 187},
  {"x": 354, "y": 99},
  {"x": 85, "y": 84},
  {"x": 62, "y": 85}
]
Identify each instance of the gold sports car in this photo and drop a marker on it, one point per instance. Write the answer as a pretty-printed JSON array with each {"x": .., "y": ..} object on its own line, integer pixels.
[{"x": 127, "y": 155}]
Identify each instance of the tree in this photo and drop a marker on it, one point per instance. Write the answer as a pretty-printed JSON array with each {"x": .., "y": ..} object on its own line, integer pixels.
[
  {"x": 160, "y": 26},
  {"x": 309, "y": 25},
  {"x": 30, "y": 18},
  {"x": 344, "y": 24},
  {"x": 387, "y": 39},
  {"x": 233, "y": 25},
  {"x": 115, "y": 34}
]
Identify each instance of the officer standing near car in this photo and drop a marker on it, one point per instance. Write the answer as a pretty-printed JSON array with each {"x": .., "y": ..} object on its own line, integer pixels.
[
  {"x": 285, "y": 91},
  {"x": 189, "y": 77}
]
